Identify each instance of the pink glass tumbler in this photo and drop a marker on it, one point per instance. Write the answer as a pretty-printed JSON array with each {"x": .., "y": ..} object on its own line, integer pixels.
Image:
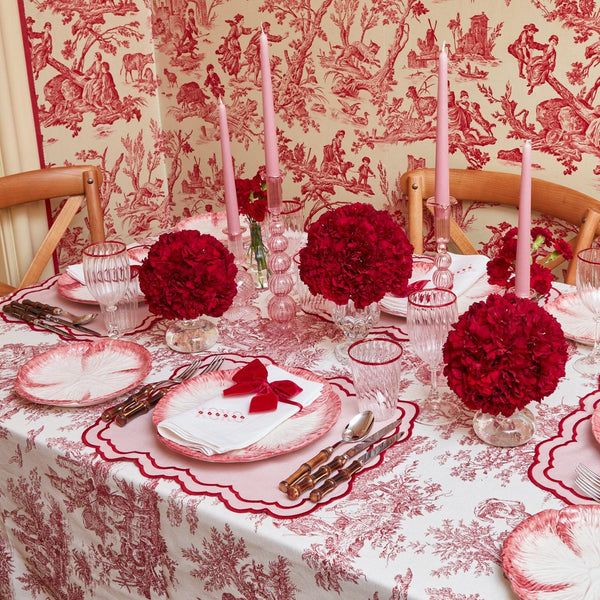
[{"x": 376, "y": 371}]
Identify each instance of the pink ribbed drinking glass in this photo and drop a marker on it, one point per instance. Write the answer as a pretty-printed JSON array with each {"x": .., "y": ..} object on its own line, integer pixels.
[
  {"x": 430, "y": 314},
  {"x": 107, "y": 276},
  {"x": 588, "y": 290},
  {"x": 376, "y": 371}
]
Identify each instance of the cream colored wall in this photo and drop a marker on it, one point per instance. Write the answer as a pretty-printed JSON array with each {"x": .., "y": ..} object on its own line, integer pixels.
[
  {"x": 363, "y": 67},
  {"x": 21, "y": 229}
]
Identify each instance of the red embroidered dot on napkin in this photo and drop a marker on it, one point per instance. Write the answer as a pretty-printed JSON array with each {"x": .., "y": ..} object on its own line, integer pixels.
[{"x": 253, "y": 378}]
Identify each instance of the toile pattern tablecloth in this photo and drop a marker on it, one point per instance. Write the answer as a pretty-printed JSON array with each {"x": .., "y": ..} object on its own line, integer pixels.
[{"x": 426, "y": 524}]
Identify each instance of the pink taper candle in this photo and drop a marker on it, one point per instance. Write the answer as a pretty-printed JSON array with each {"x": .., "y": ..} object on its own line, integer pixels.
[
  {"x": 442, "y": 174},
  {"x": 270, "y": 131},
  {"x": 231, "y": 203},
  {"x": 523, "y": 266}
]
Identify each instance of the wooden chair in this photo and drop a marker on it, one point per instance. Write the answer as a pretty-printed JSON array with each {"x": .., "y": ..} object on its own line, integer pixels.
[
  {"x": 503, "y": 189},
  {"x": 74, "y": 183}
]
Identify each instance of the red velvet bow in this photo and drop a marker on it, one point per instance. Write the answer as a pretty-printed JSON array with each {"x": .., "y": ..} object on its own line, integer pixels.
[{"x": 253, "y": 378}]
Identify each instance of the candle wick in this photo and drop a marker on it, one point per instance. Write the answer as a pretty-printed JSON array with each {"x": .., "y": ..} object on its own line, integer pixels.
[
  {"x": 220, "y": 100},
  {"x": 444, "y": 46},
  {"x": 262, "y": 29}
]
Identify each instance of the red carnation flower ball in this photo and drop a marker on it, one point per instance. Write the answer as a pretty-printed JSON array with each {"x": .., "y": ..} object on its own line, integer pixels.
[
  {"x": 187, "y": 274},
  {"x": 504, "y": 353},
  {"x": 358, "y": 253}
]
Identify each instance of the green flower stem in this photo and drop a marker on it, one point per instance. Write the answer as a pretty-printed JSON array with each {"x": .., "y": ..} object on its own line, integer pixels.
[
  {"x": 258, "y": 252},
  {"x": 537, "y": 243}
]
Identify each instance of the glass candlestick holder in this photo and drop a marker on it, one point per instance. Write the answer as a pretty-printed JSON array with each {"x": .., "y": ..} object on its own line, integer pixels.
[
  {"x": 281, "y": 307},
  {"x": 443, "y": 277},
  {"x": 241, "y": 308}
]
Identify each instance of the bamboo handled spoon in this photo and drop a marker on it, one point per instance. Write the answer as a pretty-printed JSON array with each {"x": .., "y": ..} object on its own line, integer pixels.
[{"x": 358, "y": 428}]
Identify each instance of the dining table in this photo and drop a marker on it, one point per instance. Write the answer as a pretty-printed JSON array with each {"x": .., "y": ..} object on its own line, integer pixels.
[{"x": 91, "y": 510}]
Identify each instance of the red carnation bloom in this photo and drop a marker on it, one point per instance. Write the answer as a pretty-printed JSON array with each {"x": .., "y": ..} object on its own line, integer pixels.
[
  {"x": 540, "y": 279},
  {"x": 187, "y": 274},
  {"x": 252, "y": 197},
  {"x": 563, "y": 248},
  {"x": 356, "y": 253},
  {"x": 508, "y": 250},
  {"x": 500, "y": 271},
  {"x": 544, "y": 232},
  {"x": 504, "y": 353}
]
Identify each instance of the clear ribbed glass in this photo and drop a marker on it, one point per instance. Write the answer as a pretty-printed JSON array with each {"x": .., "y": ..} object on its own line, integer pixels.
[
  {"x": 107, "y": 275},
  {"x": 376, "y": 371},
  {"x": 430, "y": 315},
  {"x": 588, "y": 290}
]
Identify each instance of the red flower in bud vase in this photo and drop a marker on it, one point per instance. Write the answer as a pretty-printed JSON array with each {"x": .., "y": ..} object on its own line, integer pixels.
[
  {"x": 544, "y": 249},
  {"x": 252, "y": 202},
  {"x": 252, "y": 197},
  {"x": 504, "y": 353},
  {"x": 187, "y": 274},
  {"x": 358, "y": 253}
]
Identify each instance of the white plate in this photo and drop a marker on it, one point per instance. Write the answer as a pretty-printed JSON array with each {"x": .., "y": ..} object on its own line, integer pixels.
[
  {"x": 555, "y": 555},
  {"x": 575, "y": 319},
  {"x": 83, "y": 373}
]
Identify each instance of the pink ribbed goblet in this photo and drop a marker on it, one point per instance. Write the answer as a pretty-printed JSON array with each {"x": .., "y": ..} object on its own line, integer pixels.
[
  {"x": 376, "y": 370},
  {"x": 588, "y": 290},
  {"x": 107, "y": 276},
  {"x": 430, "y": 315}
]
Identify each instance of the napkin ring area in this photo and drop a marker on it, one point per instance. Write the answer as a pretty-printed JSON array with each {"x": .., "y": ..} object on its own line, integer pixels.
[{"x": 218, "y": 414}]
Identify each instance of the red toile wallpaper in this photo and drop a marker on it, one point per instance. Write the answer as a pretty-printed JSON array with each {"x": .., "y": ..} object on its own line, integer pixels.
[{"x": 131, "y": 85}]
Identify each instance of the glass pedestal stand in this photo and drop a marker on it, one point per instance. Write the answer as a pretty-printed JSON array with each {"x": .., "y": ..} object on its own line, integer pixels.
[
  {"x": 191, "y": 335},
  {"x": 281, "y": 307},
  {"x": 442, "y": 277},
  {"x": 505, "y": 432}
]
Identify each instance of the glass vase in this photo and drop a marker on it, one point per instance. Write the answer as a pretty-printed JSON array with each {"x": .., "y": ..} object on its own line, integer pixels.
[
  {"x": 191, "y": 335},
  {"x": 257, "y": 255},
  {"x": 505, "y": 432},
  {"x": 355, "y": 324}
]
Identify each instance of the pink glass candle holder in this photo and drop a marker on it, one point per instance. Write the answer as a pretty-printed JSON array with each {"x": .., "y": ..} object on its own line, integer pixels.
[
  {"x": 442, "y": 277},
  {"x": 281, "y": 307},
  {"x": 376, "y": 370}
]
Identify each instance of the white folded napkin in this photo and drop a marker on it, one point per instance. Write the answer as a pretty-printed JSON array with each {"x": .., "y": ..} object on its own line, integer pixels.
[
  {"x": 467, "y": 269},
  {"x": 76, "y": 272},
  {"x": 214, "y": 435}
]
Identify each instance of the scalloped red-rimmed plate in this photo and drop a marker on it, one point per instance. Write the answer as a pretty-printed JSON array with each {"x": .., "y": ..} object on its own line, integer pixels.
[
  {"x": 575, "y": 319},
  {"x": 302, "y": 429},
  {"x": 71, "y": 289},
  {"x": 555, "y": 555},
  {"x": 83, "y": 374},
  {"x": 596, "y": 424},
  {"x": 212, "y": 223}
]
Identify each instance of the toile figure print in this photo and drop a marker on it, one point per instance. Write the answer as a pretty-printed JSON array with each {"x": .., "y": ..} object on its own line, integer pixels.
[
  {"x": 230, "y": 51},
  {"x": 252, "y": 52},
  {"x": 540, "y": 67},
  {"x": 40, "y": 52},
  {"x": 522, "y": 47},
  {"x": 189, "y": 39}
]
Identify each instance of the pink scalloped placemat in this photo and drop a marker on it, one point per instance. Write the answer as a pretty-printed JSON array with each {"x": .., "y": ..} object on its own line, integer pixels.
[
  {"x": 242, "y": 487},
  {"x": 555, "y": 459},
  {"x": 47, "y": 292}
]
